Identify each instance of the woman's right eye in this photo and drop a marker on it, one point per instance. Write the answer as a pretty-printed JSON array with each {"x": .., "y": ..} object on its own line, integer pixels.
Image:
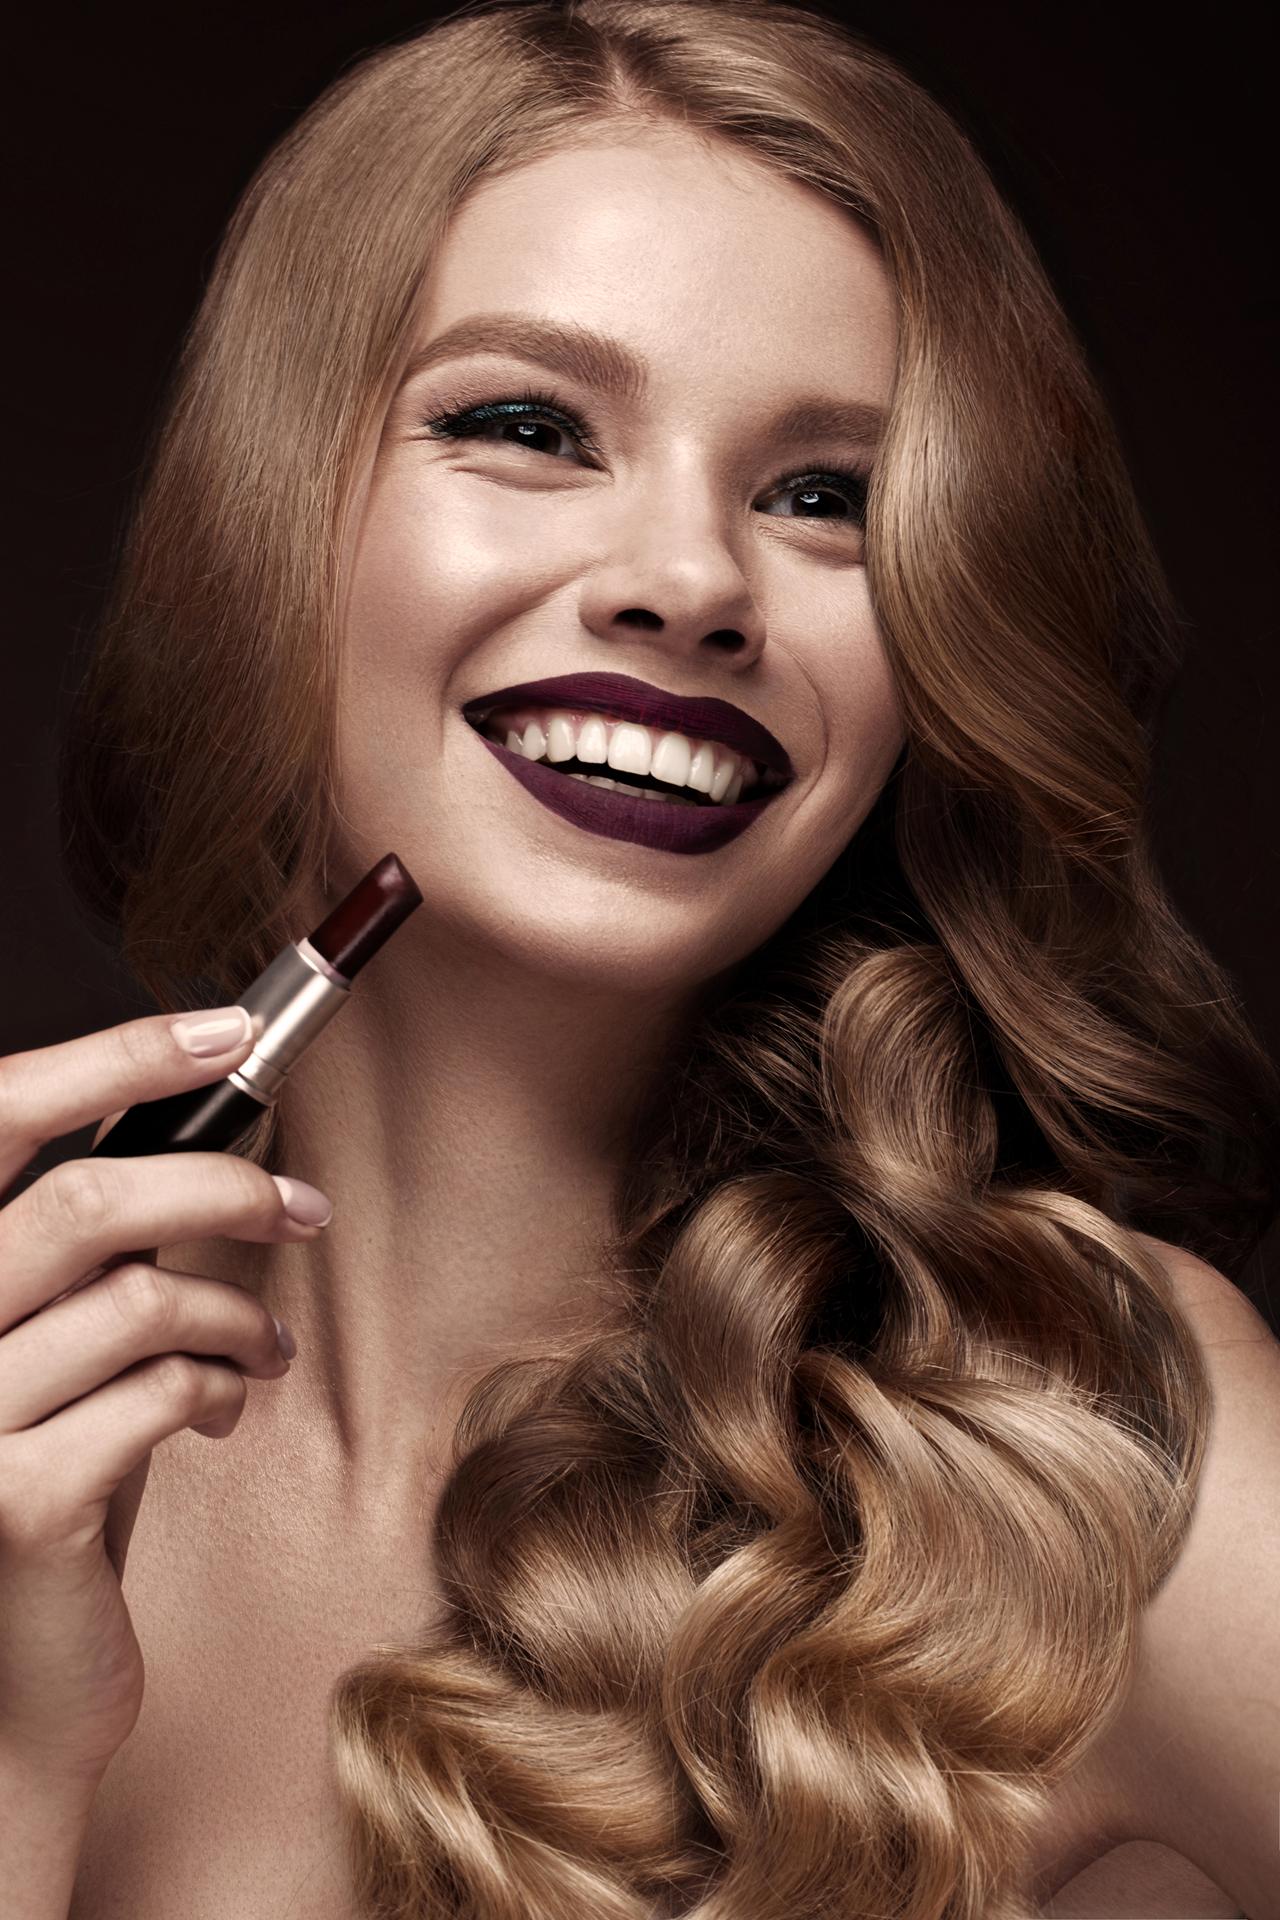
[{"x": 529, "y": 414}]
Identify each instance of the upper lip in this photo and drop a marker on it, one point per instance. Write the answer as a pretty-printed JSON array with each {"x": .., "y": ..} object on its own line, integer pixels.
[{"x": 702, "y": 716}]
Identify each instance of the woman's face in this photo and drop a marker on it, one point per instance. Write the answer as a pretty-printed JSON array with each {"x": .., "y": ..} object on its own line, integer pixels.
[{"x": 699, "y": 546}]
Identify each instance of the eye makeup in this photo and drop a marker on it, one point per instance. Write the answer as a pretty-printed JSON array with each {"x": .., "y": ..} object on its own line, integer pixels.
[
  {"x": 534, "y": 407},
  {"x": 461, "y": 422}
]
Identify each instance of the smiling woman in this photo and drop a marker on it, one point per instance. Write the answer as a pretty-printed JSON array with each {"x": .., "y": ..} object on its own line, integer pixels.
[{"x": 742, "y": 1450}]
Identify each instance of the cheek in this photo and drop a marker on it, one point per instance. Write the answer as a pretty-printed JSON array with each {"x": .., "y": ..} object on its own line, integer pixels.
[
  {"x": 861, "y": 725},
  {"x": 867, "y": 727},
  {"x": 864, "y": 735},
  {"x": 443, "y": 560}
]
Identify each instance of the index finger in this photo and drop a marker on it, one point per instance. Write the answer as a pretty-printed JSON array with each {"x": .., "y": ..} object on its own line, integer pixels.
[{"x": 49, "y": 1091}]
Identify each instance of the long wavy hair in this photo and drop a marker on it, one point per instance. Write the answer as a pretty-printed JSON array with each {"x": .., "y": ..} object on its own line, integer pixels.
[{"x": 797, "y": 1593}]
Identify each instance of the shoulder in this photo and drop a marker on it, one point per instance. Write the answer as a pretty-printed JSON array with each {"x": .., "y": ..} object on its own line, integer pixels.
[{"x": 1203, "y": 1719}]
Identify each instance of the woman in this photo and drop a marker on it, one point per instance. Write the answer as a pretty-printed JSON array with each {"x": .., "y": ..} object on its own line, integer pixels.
[{"x": 742, "y": 1452}]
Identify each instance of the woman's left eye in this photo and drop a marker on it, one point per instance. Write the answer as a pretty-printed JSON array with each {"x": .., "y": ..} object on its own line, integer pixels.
[
  {"x": 834, "y": 484},
  {"x": 532, "y": 414}
]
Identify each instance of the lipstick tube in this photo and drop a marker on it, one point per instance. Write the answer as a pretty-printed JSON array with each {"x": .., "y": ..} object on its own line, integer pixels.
[{"x": 291, "y": 1002}]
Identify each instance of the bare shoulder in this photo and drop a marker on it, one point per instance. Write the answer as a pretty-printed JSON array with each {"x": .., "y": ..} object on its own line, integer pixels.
[{"x": 1203, "y": 1720}]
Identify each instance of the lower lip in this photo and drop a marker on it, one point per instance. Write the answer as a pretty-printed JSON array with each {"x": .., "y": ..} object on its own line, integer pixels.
[{"x": 650, "y": 823}]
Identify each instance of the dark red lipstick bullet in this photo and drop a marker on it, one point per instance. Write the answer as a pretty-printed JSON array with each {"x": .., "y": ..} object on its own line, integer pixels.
[{"x": 293, "y": 1001}]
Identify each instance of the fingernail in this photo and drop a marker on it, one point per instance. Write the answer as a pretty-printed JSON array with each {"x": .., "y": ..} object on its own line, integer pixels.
[
  {"x": 307, "y": 1205},
  {"x": 221, "y": 1030},
  {"x": 285, "y": 1340}
]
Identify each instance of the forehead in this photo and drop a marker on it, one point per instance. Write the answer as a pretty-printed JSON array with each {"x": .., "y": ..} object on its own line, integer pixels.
[{"x": 705, "y": 261}]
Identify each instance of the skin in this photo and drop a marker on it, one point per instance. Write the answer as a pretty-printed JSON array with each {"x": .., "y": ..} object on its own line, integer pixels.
[{"x": 466, "y": 1115}]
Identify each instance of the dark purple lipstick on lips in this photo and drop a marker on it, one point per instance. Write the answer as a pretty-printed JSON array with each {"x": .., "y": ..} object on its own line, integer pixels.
[
  {"x": 293, "y": 1001},
  {"x": 692, "y": 828}
]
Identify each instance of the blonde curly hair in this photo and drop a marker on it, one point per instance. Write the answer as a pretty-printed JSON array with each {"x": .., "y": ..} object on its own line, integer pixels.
[{"x": 794, "y": 1594}]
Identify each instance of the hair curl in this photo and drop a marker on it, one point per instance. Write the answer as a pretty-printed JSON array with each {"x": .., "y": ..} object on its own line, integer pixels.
[{"x": 796, "y": 1594}]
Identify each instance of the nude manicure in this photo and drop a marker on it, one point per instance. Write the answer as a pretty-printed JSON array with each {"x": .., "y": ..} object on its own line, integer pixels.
[
  {"x": 307, "y": 1205},
  {"x": 207, "y": 1034}
]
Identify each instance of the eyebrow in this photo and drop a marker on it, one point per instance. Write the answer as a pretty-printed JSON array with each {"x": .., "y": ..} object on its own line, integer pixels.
[{"x": 594, "y": 360}]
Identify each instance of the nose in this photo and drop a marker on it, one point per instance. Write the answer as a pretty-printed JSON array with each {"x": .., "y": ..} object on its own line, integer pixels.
[{"x": 670, "y": 570}]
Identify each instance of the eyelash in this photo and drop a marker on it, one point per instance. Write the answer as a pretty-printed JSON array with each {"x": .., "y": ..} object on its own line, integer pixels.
[{"x": 461, "y": 423}]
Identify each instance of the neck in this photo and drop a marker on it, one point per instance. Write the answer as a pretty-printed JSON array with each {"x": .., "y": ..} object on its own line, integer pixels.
[{"x": 470, "y": 1126}]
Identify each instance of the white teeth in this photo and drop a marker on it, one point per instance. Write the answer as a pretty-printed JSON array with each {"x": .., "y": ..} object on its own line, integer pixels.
[
  {"x": 560, "y": 741},
  {"x": 722, "y": 779},
  {"x": 634, "y": 793},
  {"x": 671, "y": 759},
  {"x": 593, "y": 742},
  {"x": 703, "y": 766},
  {"x": 629, "y": 749}
]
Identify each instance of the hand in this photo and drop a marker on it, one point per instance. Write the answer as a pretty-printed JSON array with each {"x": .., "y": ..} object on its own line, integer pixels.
[{"x": 95, "y": 1372}]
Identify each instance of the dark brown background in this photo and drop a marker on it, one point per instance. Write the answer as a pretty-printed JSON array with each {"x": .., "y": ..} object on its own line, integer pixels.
[{"x": 1133, "y": 153}]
